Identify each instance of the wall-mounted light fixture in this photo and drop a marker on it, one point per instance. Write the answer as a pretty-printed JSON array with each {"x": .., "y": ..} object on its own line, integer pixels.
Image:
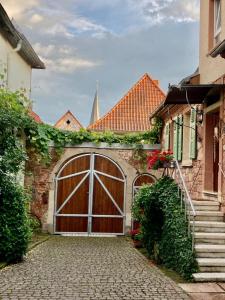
[
  {"x": 153, "y": 121},
  {"x": 199, "y": 115}
]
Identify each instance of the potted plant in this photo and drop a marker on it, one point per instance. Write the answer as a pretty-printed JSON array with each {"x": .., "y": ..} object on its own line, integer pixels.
[
  {"x": 158, "y": 159},
  {"x": 137, "y": 237}
]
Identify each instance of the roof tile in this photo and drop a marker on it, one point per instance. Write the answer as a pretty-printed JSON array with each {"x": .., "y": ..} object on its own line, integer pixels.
[{"x": 131, "y": 113}]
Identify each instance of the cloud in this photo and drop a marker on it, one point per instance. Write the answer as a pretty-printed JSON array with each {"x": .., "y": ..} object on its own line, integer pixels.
[
  {"x": 158, "y": 11},
  {"x": 69, "y": 64},
  {"x": 17, "y": 9},
  {"x": 114, "y": 42},
  {"x": 36, "y": 18}
]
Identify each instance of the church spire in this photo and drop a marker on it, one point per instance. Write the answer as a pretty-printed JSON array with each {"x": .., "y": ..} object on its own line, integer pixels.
[{"x": 95, "y": 107}]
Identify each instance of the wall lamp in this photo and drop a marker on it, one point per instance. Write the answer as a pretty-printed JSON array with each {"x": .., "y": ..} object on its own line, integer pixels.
[{"x": 199, "y": 115}]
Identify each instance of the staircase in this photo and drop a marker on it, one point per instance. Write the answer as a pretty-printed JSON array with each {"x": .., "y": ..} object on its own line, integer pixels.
[{"x": 209, "y": 236}]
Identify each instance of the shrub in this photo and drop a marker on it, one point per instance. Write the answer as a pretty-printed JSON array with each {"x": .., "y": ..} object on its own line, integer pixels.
[
  {"x": 165, "y": 231},
  {"x": 14, "y": 224}
]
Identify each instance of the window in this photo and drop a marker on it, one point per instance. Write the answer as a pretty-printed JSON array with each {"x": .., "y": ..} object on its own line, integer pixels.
[
  {"x": 180, "y": 136},
  {"x": 217, "y": 19}
]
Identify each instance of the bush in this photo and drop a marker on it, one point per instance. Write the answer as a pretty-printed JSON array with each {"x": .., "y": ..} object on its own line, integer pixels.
[
  {"x": 164, "y": 228},
  {"x": 14, "y": 224}
]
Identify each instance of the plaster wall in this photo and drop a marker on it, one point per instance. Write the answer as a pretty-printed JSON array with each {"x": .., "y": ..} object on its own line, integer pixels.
[
  {"x": 210, "y": 68},
  {"x": 16, "y": 72}
]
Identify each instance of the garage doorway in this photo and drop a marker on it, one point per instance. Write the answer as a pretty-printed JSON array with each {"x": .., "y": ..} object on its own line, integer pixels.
[{"x": 90, "y": 196}]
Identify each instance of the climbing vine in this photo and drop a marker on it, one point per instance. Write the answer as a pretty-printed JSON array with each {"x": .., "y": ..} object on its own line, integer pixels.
[{"x": 164, "y": 226}]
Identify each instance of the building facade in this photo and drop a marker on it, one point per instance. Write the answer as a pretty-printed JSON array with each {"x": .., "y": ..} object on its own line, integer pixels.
[{"x": 17, "y": 57}]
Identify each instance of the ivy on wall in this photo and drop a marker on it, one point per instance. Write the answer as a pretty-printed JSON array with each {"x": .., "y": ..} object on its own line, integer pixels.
[
  {"x": 164, "y": 226},
  {"x": 39, "y": 136}
]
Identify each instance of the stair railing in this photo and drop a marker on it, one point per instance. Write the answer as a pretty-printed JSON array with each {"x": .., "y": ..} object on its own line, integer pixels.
[
  {"x": 185, "y": 200},
  {"x": 221, "y": 170}
]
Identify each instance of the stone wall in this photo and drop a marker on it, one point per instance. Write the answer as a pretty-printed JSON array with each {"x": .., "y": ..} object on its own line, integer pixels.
[{"x": 40, "y": 179}]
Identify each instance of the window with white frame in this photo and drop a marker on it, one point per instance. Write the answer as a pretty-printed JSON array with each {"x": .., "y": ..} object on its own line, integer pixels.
[{"x": 217, "y": 18}]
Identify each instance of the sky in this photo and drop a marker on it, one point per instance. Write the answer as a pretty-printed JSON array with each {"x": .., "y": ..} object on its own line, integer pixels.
[{"x": 112, "y": 41}]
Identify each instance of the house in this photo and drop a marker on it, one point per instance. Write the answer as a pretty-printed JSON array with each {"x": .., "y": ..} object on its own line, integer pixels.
[
  {"x": 194, "y": 128},
  {"x": 17, "y": 57},
  {"x": 131, "y": 113},
  {"x": 68, "y": 122},
  {"x": 89, "y": 189}
]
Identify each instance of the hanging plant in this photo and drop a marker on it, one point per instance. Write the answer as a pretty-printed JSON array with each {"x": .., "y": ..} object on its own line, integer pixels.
[{"x": 158, "y": 159}]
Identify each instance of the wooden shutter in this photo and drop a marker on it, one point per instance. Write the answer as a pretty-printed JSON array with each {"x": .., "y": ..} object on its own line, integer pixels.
[
  {"x": 180, "y": 137},
  {"x": 193, "y": 134},
  {"x": 175, "y": 138},
  {"x": 167, "y": 136}
]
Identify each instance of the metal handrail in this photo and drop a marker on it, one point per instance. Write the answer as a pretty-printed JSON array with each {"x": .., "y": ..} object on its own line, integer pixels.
[
  {"x": 221, "y": 170},
  {"x": 186, "y": 198}
]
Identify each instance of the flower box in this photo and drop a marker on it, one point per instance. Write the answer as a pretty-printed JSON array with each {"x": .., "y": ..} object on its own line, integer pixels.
[{"x": 157, "y": 160}]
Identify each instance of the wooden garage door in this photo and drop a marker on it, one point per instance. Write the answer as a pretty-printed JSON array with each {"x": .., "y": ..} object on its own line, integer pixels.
[{"x": 90, "y": 196}]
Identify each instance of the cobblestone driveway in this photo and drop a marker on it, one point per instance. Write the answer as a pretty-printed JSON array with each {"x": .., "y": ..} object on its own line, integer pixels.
[{"x": 86, "y": 268}]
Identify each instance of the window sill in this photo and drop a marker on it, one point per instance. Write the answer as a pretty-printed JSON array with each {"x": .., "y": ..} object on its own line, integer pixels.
[{"x": 187, "y": 163}]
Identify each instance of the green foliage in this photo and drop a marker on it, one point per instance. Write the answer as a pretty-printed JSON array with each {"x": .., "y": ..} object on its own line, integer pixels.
[
  {"x": 14, "y": 225},
  {"x": 34, "y": 223},
  {"x": 165, "y": 231},
  {"x": 39, "y": 137}
]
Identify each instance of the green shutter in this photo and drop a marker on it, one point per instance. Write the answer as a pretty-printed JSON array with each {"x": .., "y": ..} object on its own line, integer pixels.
[
  {"x": 180, "y": 138},
  {"x": 167, "y": 136},
  {"x": 193, "y": 135},
  {"x": 175, "y": 138}
]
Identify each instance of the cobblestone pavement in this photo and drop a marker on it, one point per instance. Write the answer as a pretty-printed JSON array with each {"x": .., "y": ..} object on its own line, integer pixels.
[{"x": 86, "y": 268}]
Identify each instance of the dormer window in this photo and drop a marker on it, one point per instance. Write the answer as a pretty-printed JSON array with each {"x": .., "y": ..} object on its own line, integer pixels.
[{"x": 217, "y": 20}]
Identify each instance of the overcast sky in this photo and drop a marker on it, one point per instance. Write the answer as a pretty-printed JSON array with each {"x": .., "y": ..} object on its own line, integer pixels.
[{"x": 113, "y": 41}]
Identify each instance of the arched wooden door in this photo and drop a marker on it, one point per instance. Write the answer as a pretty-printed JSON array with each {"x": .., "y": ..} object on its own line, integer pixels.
[
  {"x": 137, "y": 184},
  {"x": 90, "y": 191}
]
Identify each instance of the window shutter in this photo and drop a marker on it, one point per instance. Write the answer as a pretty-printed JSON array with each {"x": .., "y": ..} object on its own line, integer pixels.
[
  {"x": 175, "y": 138},
  {"x": 167, "y": 136},
  {"x": 180, "y": 137},
  {"x": 193, "y": 137}
]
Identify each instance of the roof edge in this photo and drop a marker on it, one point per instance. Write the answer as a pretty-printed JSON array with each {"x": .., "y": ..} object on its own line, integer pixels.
[{"x": 13, "y": 36}]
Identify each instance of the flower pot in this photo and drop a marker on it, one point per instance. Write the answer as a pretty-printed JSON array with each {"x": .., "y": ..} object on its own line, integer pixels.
[{"x": 137, "y": 243}]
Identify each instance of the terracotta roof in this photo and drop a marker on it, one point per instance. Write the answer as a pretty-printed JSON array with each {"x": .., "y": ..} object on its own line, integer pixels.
[
  {"x": 131, "y": 113},
  {"x": 68, "y": 122},
  {"x": 35, "y": 117}
]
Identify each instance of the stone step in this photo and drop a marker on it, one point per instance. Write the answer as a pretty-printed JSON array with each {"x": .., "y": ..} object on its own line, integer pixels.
[
  {"x": 209, "y": 237},
  {"x": 205, "y": 202},
  {"x": 212, "y": 269},
  {"x": 204, "y": 226},
  {"x": 209, "y": 277},
  {"x": 208, "y": 216},
  {"x": 211, "y": 264},
  {"x": 206, "y": 205},
  {"x": 209, "y": 248}
]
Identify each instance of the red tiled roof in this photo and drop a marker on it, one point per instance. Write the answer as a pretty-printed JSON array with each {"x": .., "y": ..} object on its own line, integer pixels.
[
  {"x": 131, "y": 113},
  {"x": 35, "y": 117},
  {"x": 68, "y": 122}
]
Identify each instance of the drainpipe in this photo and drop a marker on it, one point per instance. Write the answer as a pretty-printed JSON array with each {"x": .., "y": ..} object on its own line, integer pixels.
[{"x": 17, "y": 49}]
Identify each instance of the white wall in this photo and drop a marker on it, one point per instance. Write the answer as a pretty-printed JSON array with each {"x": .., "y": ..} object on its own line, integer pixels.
[{"x": 17, "y": 73}]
